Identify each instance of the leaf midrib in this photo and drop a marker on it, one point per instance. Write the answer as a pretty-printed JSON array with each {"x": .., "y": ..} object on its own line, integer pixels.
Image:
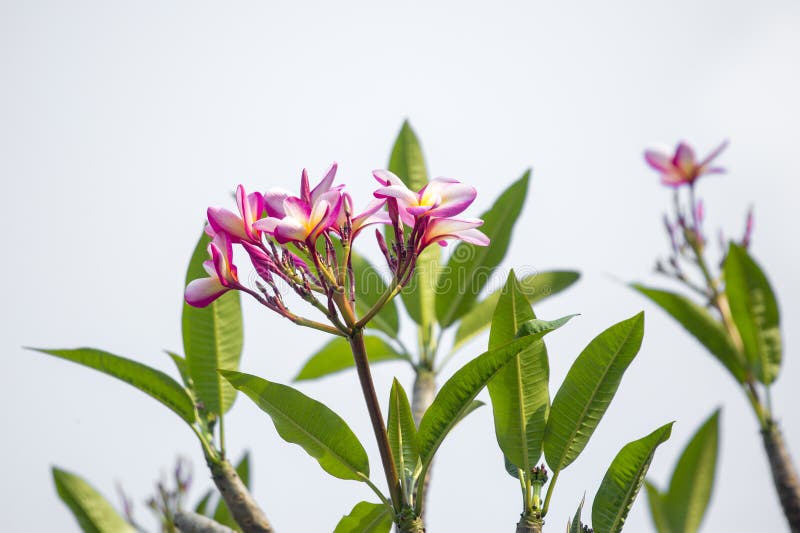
[
  {"x": 283, "y": 415},
  {"x": 592, "y": 397},
  {"x": 634, "y": 486}
]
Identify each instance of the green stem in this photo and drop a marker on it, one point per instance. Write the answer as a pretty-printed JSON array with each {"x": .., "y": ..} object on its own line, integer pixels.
[
  {"x": 378, "y": 426},
  {"x": 222, "y": 436},
  {"x": 552, "y": 484},
  {"x": 390, "y": 292}
]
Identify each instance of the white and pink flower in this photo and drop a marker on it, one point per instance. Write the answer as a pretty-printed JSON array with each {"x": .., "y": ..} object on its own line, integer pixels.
[{"x": 681, "y": 167}]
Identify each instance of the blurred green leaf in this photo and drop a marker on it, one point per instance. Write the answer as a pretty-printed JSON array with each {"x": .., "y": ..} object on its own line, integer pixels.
[
  {"x": 588, "y": 389},
  {"x": 704, "y": 327},
  {"x": 370, "y": 286},
  {"x": 623, "y": 480},
  {"x": 366, "y": 518},
  {"x": 308, "y": 423},
  {"x": 536, "y": 287},
  {"x": 183, "y": 369},
  {"x": 519, "y": 390},
  {"x": 203, "y": 503},
  {"x": 457, "y": 395},
  {"x": 470, "y": 266},
  {"x": 755, "y": 312},
  {"x": 656, "y": 502},
  {"x": 92, "y": 511},
  {"x": 148, "y": 380},
  {"x": 336, "y": 356},
  {"x": 685, "y": 502},
  {"x": 212, "y": 339},
  {"x": 407, "y": 160}
]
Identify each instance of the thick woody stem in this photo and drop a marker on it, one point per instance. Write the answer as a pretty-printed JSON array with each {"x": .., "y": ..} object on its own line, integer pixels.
[
  {"x": 421, "y": 399},
  {"x": 244, "y": 509},
  {"x": 529, "y": 524},
  {"x": 188, "y": 522},
  {"x": 784, "y": 474}
]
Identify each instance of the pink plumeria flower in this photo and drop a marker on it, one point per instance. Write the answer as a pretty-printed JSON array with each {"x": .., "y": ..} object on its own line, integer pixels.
[
  {"x": 440, "y": 229},
  {"x": 303, "y": 218},
  {"x": 441, "y": 197},
  {"x": 222, "y": 273},
  {"x": 239, "y": 227},
  {"x": 303, "y": 222},
  {"x": 371, "y": 215},
  {"x": 682, "y": 167}
]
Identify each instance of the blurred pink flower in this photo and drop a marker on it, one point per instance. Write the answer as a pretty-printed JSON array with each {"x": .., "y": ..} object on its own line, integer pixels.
[{"x": 682, "y": 167}]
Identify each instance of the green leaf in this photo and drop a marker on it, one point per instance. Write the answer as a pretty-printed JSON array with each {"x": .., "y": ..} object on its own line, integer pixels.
[
  {"x": 369, "y": 286},
  {"x": 366, "y": 518},
  {"x": 93, "y": 512},
  {"x": 511, "y": 468},
  {"x": 470, "y": 266},
  {"x": 589, "y": 387},
  {"x": 456, "y": 396},
  {"x": 202, "y": 504},
  {"x": 407, "y": 161},
  {"x": 755, "y": 312},
  {"x": 419, "y": 296},
  {"x": 222, "y": 514},
  {"x": 308, "y": 423},
  {"x": 704, "y": 327},
  {"x": 183, "y": 369},
  {"x": 148, "y": 380},
  {"x": 690, "y": 488},
  {"x": 623, "y": 480},
  {"x": 575, "y": 527},
  {"x": 336, "y": 356},
  {"x": 212, "y": 339},
  {"x": 402, "y": 434},
  {"x": 519, "y": 391},
  {"x": 536, "y": 287},
  {"x": 657, "y": 512}
]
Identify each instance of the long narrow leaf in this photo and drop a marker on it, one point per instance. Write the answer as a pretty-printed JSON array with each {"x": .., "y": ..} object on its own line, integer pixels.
[
  {"x": 212, "y": 339},
  {"x": 755, "y": 312},
  {"x": 308, "y": 423},
  {"x": 623, "y": 480},
  {"x": 588, "y": 389},
  {"x": 92, "y": 511},
  {"x": 456, "y": 396},
  {"x": 575, "y": 526},
  {"x": 148, "y": 380},
  {"x": 536, "y": 288},
  {"x": 366, "y": 518},
  {"x": 657, "y": 512},
  {"x": 402, "y": 433},
  {"x": 689, "y": 490},
  {"x": 704, "y": 327},
  {"x": 519, "y": 391},
  {"x": 336, "y": 356},
  {"x": 470, "y": 266}
]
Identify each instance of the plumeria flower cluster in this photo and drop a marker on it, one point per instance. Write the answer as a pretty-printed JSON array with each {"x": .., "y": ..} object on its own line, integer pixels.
[
  {"x": 678, "y": 170},
  {"x": 305, "y": 241}
]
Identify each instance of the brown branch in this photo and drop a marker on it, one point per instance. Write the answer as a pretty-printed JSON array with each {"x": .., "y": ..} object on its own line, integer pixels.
[
  {"x": 784, "y": 474},
  {"x": 244, "y": 509},
  {"x": 188, "y": 522}
]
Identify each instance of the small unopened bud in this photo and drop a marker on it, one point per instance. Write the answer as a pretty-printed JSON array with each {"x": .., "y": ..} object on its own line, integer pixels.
[
  {"x": 748, "y": 229},
  {"x": 539, "y": 475}
]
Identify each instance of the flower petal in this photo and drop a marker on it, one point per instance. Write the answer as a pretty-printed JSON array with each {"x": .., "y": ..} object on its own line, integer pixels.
[
  {"x": 713, "y": 155},
  {"x": 324, "y": 185},
  {"x": 684, "y": 158},
  {"x": 290, "y": 229},
  {"x": 224, "y": 221},
  {"x": 203, "y": 291},
  {"x": 267, "y": 225},
  {"x": 273, "y": 202},
  {"x": 658, "y": 159}
]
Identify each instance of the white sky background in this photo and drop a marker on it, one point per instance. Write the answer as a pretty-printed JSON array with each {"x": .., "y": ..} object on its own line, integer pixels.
[{"x": 120, "y": 123}]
